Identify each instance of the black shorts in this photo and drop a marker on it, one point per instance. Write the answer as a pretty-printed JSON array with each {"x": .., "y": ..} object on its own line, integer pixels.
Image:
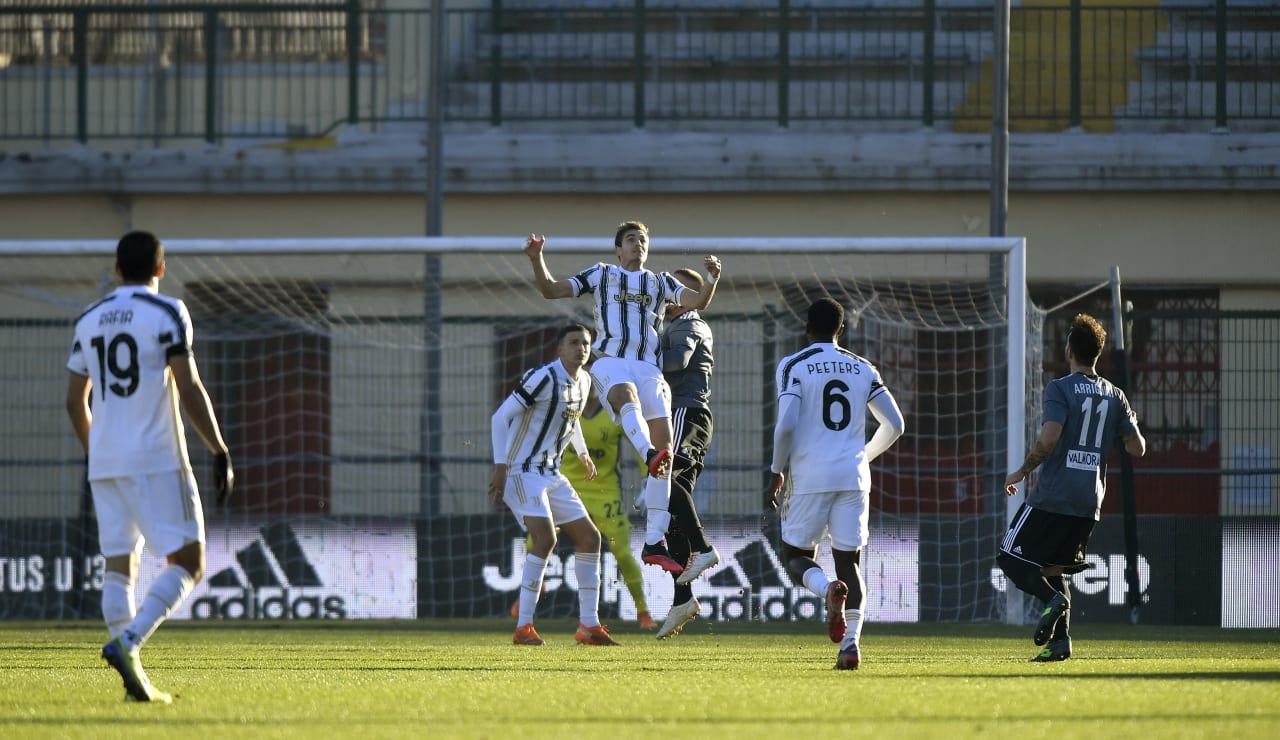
[{"x": 1045, "y": 538}]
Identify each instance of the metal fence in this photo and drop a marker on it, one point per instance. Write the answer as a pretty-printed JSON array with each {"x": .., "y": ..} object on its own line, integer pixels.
[
  {"x": 1205, "y": 383},
  {"x": 173, "y": 73}
]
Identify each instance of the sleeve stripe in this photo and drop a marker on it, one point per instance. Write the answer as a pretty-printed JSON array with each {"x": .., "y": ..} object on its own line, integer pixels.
[
  {"x": 169, "y": 309},
  {"x": 786, "y": 371}
]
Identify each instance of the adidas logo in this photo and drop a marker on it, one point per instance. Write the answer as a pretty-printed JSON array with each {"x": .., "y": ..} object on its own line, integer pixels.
[
  {"x": 1017, "y": 550},
  {"x": 752, "y": 583},
  {"x": 269, "y": 568}
]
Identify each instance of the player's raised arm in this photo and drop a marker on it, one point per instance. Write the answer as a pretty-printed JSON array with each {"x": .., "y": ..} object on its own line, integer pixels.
[
  {"x": 548, "y": 286},
  {"x": 700, "y": 299}
]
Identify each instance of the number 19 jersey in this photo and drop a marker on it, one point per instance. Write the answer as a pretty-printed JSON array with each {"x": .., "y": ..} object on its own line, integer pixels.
[
  {"x": 834, "y": 385},
  {"x": 123, "y": 344}
]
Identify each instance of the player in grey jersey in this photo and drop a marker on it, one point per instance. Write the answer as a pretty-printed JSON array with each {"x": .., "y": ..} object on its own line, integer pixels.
[
  {"x": 687, "y": 362},
  {"x": 1084, "y": 415}
]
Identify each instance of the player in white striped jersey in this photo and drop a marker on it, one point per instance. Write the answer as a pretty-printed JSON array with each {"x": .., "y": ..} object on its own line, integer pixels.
[
  {"x": 823, "y": 394},
  {"x": 530, "y": 431},
  {"x": 630, "y": 302},
  {"x": 132, "y": 353}
]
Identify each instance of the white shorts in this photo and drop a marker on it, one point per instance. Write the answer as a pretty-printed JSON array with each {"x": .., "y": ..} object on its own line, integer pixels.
[
  {"x": 544, "y": 495},
  {"x": 161, "y": 510},
  {"x": 651, "y": 387},
  {"x": 808, "y": 516}
]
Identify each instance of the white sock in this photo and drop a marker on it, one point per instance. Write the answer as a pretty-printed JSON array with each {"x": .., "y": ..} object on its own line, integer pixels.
[
  {"x": 117, "y": 602},
  {"x": 530, "y": 587},
  {"x": 657, "y": 497},
  {"x": 170, "y": 589},
  {"x": 853, "y": 617},
  {"x": 587, "y": 567},
  {"x": 636, "y": 429},
  {"x": 816, "y": 581}
]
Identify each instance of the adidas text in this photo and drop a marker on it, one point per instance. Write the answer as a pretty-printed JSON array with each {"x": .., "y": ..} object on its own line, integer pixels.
[
  {"x": 776, "y": 605},
  {"x": 250, "y": 604}
]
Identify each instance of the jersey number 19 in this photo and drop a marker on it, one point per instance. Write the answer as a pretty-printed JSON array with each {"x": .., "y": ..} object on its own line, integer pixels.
[{"x": 108, "y": 359}]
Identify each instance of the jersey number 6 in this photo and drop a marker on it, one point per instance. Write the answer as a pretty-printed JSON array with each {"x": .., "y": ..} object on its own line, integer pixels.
[{"x": 836, "y": 411}]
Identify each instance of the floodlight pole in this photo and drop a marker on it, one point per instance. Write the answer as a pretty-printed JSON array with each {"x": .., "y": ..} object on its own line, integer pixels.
[
  {"x": 432, "y": 427},
  {"x": 1128, "y": 496},
  {"x": 1000, "y": 121},
  {"x": 1014, "y": 600}
]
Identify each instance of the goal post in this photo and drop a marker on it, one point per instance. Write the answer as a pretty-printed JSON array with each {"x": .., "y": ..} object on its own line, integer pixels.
[{"x": 355, "y": 377}]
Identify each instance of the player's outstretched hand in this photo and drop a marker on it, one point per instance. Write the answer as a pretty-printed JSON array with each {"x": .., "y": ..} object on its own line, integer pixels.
[
  {"x": 224, "y": 477},
  {"x": 771, "y": 493},
  {"x": 533, "y": 245},
  {"x": 712, "y": 264}
]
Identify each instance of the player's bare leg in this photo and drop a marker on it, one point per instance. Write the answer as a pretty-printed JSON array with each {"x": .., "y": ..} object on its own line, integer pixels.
[{"x": 646, "y": 436}]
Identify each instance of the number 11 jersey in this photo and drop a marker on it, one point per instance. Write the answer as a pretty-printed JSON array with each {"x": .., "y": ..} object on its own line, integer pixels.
[
  {"x": 1093, "y": 414},
  {"x": 123, "y": 344},
  {"x": 834, "y": 385}
]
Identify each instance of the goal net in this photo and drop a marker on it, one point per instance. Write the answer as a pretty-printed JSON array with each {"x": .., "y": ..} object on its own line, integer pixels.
[{"x": 354, "y": 380}]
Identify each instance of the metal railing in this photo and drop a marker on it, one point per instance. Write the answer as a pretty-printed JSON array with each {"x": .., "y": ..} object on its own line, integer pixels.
[{"x": 161, "y": 75}]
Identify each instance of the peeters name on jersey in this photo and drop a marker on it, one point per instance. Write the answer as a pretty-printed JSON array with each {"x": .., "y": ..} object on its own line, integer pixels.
[{"x": 834, "y": 387}]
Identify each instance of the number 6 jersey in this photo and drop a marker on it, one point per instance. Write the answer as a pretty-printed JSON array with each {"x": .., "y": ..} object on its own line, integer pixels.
[
  {"x": 834, "y": 386},
  {"x": 123, "y": 344}
]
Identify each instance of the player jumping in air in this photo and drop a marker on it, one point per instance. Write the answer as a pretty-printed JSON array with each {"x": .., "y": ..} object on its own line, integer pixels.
[{"x": 629, "y": 305}]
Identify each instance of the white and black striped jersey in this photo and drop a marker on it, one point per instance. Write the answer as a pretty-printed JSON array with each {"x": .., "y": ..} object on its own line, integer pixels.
[
  {"x": 629, "y": 308},
  {"x": 552, "y": 402},
  {"x": 834, "y": 386},
  {"x": 123, "y": 344}
]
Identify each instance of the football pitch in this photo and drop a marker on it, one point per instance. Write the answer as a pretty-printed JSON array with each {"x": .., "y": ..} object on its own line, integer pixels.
[{"x": 464, "y": 678}]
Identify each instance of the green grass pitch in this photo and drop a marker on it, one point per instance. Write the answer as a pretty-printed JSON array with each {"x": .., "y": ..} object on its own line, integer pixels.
[{"x": 463, "y": 678}]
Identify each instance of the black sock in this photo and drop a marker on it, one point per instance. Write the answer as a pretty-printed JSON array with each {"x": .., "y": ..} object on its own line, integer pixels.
[
  {"x": 678, "y": 546},
  {"x": 683, "y": 513},
  {"x": 1062, "y": 627}
]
